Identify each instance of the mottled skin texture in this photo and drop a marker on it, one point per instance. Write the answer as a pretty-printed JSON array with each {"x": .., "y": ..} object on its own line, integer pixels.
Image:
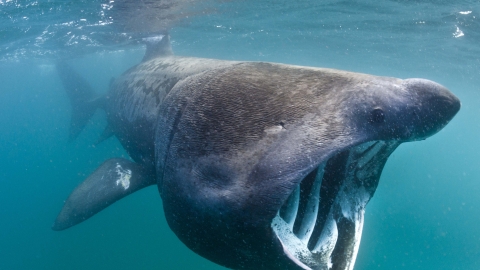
[
  {"x": 229, "y": 141},
  {"x": 135, "y": 99}
]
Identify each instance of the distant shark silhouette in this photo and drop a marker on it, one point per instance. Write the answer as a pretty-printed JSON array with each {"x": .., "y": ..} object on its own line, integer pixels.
[{"x": 259, "y": 165}]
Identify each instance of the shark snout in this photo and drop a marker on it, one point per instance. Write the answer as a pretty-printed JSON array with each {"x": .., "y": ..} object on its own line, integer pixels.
[{"x": 432, "y": 107}]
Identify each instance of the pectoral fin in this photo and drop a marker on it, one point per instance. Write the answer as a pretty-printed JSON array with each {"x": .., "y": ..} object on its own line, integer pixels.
[{"x": 113, "y": 180}]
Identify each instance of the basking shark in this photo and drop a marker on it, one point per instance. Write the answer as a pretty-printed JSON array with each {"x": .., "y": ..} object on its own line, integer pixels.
[{"x": 259, "y": 165}]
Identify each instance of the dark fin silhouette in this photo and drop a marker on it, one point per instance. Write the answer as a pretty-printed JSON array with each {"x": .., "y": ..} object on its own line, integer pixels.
[
  {"x": 157, "y": 46},
  {"x": 113, "y": 180},
  {"x": 83, "y": 99},
  {"x": 107, "y": 133}
]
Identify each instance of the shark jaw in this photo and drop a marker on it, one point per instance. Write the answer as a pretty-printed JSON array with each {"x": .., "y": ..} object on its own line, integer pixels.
[{"x": 320, "y": 224}]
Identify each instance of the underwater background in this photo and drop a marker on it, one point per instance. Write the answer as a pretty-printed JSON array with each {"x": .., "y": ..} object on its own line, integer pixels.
[{"x": 425, "y": 213}]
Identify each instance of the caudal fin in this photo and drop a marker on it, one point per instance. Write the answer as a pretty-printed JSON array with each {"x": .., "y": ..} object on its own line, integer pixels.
[
  {"x": 113, "y": 180},
  {"x": 83, "y": 99}
]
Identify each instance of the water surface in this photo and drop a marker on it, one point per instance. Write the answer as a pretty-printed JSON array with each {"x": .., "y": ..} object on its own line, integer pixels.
[{"x": 424, "y": 215}]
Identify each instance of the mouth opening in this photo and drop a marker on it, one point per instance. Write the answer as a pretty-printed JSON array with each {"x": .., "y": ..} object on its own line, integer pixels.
[{"x": 320, "y": 224}]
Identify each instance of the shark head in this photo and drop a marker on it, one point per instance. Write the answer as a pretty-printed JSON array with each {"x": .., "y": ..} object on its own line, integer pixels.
[{"x": 269, "y": 166}]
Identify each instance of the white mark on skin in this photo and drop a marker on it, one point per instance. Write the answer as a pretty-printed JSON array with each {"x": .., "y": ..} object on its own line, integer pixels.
[
  {"x": 275, "y": 129},
  {"x": 124, "y": 176}
]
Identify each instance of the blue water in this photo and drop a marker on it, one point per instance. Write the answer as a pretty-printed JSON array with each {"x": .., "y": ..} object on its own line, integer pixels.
[{"x": 426, "y": 210}]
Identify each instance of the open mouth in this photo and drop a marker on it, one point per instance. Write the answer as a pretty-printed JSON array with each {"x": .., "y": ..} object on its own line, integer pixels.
[{"x": 320, "y": 224}]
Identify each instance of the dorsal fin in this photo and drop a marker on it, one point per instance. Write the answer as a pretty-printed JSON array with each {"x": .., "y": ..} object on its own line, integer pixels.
[{"x": 157, "y": 46}]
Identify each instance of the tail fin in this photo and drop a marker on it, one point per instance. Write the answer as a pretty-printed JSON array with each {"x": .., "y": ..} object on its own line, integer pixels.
[{"x": 83, "y": 99}]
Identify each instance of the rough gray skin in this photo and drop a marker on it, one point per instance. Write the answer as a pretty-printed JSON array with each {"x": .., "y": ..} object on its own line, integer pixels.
[{"x": 229, "y": 142}]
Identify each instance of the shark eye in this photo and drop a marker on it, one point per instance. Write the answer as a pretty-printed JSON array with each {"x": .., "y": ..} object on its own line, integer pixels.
[{"x": 377, "y": 116}]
